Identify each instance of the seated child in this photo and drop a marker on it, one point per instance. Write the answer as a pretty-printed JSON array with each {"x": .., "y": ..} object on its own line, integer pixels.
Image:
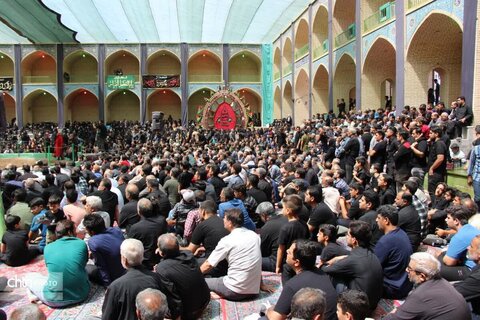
[{"x": 15, "y": 250}]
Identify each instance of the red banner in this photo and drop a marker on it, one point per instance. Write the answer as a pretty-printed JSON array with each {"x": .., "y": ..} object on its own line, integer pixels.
[{"x": 225, "y": 118}]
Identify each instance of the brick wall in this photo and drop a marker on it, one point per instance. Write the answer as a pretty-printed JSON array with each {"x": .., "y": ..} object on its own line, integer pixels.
[{"x": 320, "y": 91}]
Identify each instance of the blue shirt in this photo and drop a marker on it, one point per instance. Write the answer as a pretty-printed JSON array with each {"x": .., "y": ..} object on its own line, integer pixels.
[
  {"x": 394, "y": 250},
  {"x": 238, "y": 204},
  {"x": 457, "y": 249},
  {"x": 41, "y": 227},
  {"x": 105, "y": 249}
]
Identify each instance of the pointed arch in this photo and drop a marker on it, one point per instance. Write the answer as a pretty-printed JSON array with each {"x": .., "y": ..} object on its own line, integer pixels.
[
  {"x": 277, "y": 103},
  {"x": 437, "y": 43},
  {"x": 124, "y": 60},
  {"x": 204, "y": 66},
  {"x": 375, "y": 74},
  {"x": 287, "y": 109},
  {"x": 39, "y": 106},
  {"x": 343, "y": 80},
  {"x": 163, "y": 62},
  {"x": 301, "y": 104},
  {"x": 122, "y": 105},
  {"x": 244, "y": 67},
  {"x": 81, "y": 105},
  {"x": 166, "y": 101},
  {"x": 320, "y": 91},
  {"x": 198, "y": 99},
  {"x": 39, "y": 67},
  {"x": 80, "y": 67}
]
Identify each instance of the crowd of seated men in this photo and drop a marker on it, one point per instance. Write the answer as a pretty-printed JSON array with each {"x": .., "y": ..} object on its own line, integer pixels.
[{"x": 337, "y": 206}]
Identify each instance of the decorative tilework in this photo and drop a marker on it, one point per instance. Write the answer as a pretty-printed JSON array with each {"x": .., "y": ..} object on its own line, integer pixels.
[
  {"x": 28, "y": 49},
  {"x": 29, "y": 88},
  {"x": 322, "y": 61},
  {"x": 348, "y": 49},
  {"x": 7, "y": 50},
  {"x": 69, "y": 88}
]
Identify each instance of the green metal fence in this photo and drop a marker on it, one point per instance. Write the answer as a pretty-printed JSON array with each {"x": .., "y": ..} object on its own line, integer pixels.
[
  {"x": 385, "y": 14},
  {"x": 287, "y": 70},
  {"x": 301, "y": 52},
  {"x": 346, "y": 36}
]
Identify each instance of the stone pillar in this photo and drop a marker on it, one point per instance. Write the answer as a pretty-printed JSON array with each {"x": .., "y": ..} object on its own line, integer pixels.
[
  {"x": 17, "y": 57},
  {"x": 101, "y": 82},
  {"x": 400, "y": 56},
  {"x": 358, "y": 56},
  {"x": 330, "y": 55},
  {"x": 143, "y": 92}
]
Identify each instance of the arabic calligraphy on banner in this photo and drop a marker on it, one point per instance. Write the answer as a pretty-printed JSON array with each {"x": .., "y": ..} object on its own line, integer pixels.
[
  {"x": 121, "y": 82},
  {"x": 160, "y": 81},
  {"x": 6, "y": 84}
]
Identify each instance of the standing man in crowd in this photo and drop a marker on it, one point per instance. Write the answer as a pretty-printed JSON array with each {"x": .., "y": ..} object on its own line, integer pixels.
[{"x": 437, "y": 160}]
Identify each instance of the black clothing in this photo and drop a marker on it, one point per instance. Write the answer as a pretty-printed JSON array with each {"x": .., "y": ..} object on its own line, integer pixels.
[
  {"x": 392, "y": 147},
  {"x": 119, "y": 303},
  {"x": 269, "y": 235},
  {"x": 61, "y": 178},
  {"x": 352, "y": 149},
  {"x": 354, "y": 211},
  {"x": 109, "y": 203},
  {"x": 49, "y": 191},
  {"x": 438, "y": 148},
  {"x": 266, "y": 187},
  {"x": 313, "y": 279},
  {"x": 208, "y": 233},
  {"x": 402, "y": 162},
  {"x": 128, "y": 215},
  {"x": 409, "y": 221},
  {"x": 333, "y": 250},
  {"x": 148, "y": 230},
  {"x": 470, "y": 288},
  {"x": 32, "y": 194},
  {"x": 420, "y": 162},
  {"x": 362, "y": 271},
  {"x": 386, "y": 196},
  {"x": 321, "y": 214},
  {"x": 258, "y": 195},
  {"x": 370, "y": 217},
  {"x": 161, "y": 204},
  {"x": 218, "y": 185},
  {"x": 292, "y": 230},
  {"x": 184, "y": 281},
  {"x": 17, "y": 253},
  {"x": 380, "y": 155}
]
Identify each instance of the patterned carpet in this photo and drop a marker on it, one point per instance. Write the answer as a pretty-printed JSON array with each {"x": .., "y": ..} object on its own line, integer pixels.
[{"x": 217, "y": 310}]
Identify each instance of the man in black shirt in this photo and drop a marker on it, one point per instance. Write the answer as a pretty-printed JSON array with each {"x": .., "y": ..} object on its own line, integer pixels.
[
  {"x": 437, "y": 160},
  {"x": 320, "y": 213},
  {"x": 419, "y": 148},
  {"x": 385, "y": 191},
  {"x": 109, "y": 199},
  {"x": 128, "y": 214},
  {"x": 119, "y": 302},
  {"x": 301, "y": 257},
  {"x": 180, "y": 273},
  {"x": 352, "y": 150},
  {"x": 379, "y": 152},
  {"x": 269, "y": 234},
  {"x": 360, "y": 270},
  {"x": 408, "y": 218},
  {"x": 147, "y": 230},
  {"x": 206, "y": 236}
]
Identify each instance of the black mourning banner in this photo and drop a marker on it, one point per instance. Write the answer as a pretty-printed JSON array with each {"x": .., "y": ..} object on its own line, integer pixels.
[
  {"x": 159, "y": 81},
  {"x": 3, "y": 115},
  {"x": 6, "y": 84}
]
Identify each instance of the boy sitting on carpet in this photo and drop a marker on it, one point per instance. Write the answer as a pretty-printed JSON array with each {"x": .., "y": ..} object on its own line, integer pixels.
[
  {"x": 15, "y": 251},
  {"x": 37, "y": 206}
]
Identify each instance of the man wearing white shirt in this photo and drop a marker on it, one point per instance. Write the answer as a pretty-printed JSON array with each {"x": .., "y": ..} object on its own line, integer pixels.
[{"x": 241, "y": 249}]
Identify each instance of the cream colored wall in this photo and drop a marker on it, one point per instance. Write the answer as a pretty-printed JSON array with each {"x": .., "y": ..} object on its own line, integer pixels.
[
  {"x": 277, "y": 110},
  {"x": 343, "y": 80},
  {"x": 207, "y": 68},
  {"x": 123, "y": 106},
  {"x": 343, "y": 16},
  {"x": 320, "y": 91},
  {"x": 246, "y": 69},
  {"x": 301, "y": 98},
  {"x": 163, "y": 63},
  {"x": 41, "y": 108},
  {"x": 374, "y": 73},
  {"x": 6, "y": 66},
  {"x": 320, "y": 27},
  {"x": 82, "y": 107},
  {"x": 443, "y": 52},
  {"x": 9, "y": 107},
  {"x": 128, "y": 63},
  {"x": 287, "y": 101},
  {"x": 82, "y": 70}
]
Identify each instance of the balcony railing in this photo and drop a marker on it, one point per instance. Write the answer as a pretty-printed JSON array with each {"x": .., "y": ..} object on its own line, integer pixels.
[
  {"x": 39, "y": 79},
  {"x": 416, "y": 3},
  {"x": 276, "y": 75},
  {"x": 302, "y": 52},
  {"x": 204, "y": 78},
  {"x": 385, "y": 14},
  {"x": 287, "y": 70},
  {"x": 244, "y": 78},
  {"x": 319, "y": 51},
  {"x": 345, "y": 36},
  {"x": 82, "y": 79}
]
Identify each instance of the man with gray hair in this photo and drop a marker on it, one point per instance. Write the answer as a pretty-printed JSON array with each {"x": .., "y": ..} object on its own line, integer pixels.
[
  {"x": 269, "y": 234},
  {"x": 309, "y": 303},
  {"x": 93, "y": 205},
  {"x": 432, "y": 296},
  {"x": 151, "y": 304},
  {"x": 180, "y": 273},
  {"x": 27, "y": 312},
  {"x": 120, "y": 297}
]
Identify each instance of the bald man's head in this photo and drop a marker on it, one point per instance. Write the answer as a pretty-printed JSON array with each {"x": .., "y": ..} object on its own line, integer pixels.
[{"x": 151, "y": 304}]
